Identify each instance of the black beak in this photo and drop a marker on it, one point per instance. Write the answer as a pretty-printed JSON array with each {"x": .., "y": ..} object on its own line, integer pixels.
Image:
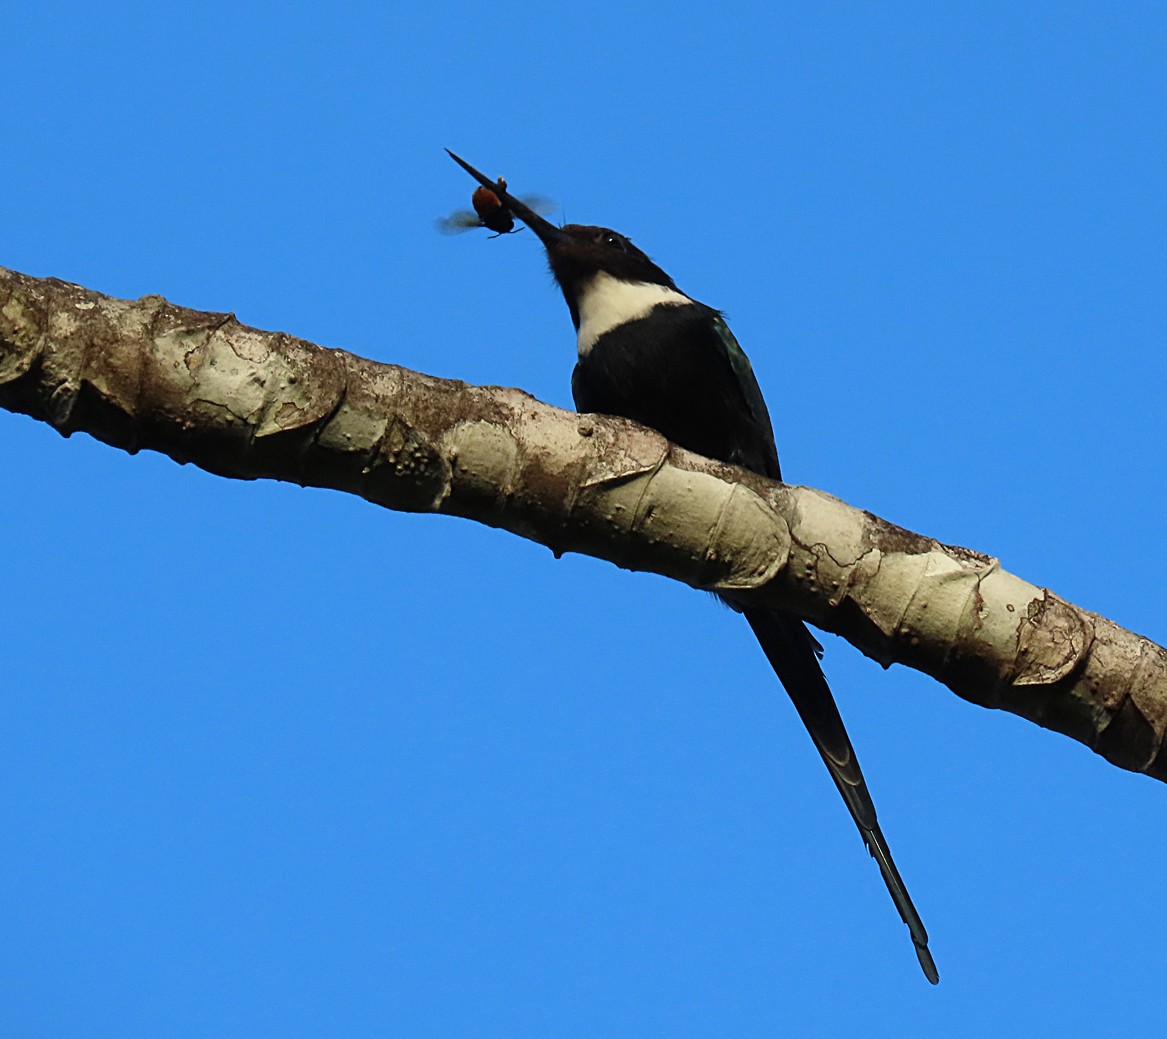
[{"x": 548, "y": 233}]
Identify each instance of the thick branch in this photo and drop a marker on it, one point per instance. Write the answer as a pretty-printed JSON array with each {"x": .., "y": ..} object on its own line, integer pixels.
[{"x": 203, "y": 388}]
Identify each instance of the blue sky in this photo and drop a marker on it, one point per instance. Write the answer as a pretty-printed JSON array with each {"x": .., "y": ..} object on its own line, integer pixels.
[{"x": 277, "y": 762}]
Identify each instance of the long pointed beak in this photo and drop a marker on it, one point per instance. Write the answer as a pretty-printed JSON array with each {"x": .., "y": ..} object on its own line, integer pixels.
[{"x": 548, "y": 233}]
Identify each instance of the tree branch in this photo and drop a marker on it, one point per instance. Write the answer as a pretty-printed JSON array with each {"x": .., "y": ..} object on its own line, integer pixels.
[{"x": 247, "y": 404}]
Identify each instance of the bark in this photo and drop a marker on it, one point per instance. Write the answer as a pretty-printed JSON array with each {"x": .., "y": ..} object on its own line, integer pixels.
[{"x": 248, "y": 404}]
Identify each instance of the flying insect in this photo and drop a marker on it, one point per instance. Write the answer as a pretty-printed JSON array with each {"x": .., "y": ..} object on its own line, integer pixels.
[{"x": 490, "y": 212}]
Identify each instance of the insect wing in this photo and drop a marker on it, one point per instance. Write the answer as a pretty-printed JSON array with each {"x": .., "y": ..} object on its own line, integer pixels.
[
  {"x": 458, "y": 221},
  {"x": 541, "y": 204}
]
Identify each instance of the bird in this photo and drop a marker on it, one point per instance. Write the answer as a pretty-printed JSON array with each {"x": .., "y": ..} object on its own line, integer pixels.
[{"x": 648, "y": 352}]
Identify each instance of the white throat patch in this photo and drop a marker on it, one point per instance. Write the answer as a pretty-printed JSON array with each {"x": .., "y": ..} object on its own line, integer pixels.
[{"x": 606, "y": 303}]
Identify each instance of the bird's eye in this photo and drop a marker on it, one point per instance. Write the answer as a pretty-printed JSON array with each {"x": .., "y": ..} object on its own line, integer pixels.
[{"x": 613, "y": 239}]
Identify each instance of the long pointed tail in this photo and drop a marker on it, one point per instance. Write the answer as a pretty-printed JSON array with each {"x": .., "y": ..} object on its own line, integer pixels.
[{"x": 792, "y": 652}]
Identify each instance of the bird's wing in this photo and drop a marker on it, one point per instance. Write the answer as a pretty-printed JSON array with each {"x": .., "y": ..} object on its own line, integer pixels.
[{"x": 753, "y": 403}]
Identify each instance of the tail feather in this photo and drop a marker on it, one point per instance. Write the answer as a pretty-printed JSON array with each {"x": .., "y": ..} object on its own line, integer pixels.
[{"x": 791, "y": 650}]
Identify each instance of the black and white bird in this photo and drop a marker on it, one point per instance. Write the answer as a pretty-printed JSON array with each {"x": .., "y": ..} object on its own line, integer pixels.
[{"x": 651, "y": 353}]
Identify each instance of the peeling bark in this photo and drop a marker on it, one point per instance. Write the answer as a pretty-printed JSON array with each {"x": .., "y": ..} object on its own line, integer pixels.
[{"x": 248, "y": 404}]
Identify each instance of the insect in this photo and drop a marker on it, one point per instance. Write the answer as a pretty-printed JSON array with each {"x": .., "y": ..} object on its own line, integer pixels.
[{"x": 489, "y": 212}]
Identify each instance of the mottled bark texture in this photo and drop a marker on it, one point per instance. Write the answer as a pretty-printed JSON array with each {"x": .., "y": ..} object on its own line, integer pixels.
[{"x": 243, "y": 403}]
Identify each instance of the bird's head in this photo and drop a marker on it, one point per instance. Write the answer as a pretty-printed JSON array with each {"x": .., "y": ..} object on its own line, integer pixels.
[{"x": 576, "y": 253}]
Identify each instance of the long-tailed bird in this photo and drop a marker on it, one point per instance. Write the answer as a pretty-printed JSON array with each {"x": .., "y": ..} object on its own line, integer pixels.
[{"x": 650, "y": 353}]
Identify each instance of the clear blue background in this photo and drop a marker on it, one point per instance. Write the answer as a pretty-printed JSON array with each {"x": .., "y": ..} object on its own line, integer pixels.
[{"x": 278, "y": 763}]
